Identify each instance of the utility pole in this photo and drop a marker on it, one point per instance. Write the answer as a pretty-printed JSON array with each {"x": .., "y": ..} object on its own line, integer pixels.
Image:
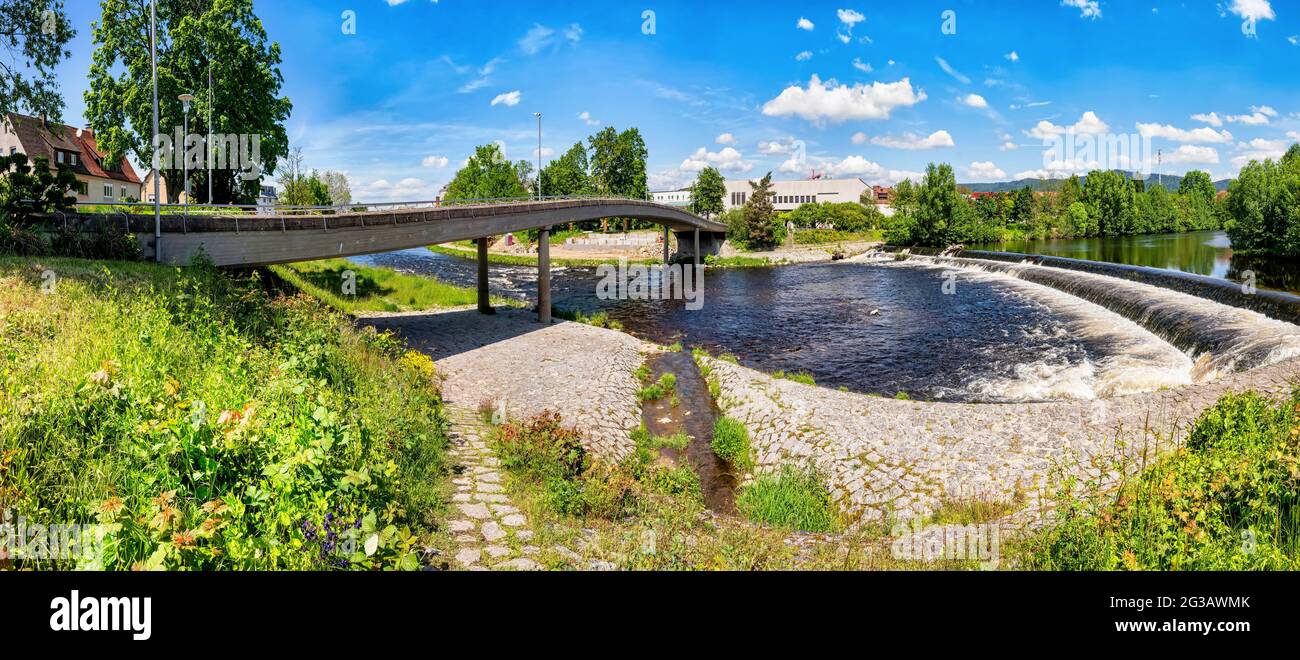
[
  {"x": 209, "y": 145},
  {"x": 157, "y": 170},
  {"x": 186, "y": 100},
  {"x": 538, "y": 115}
]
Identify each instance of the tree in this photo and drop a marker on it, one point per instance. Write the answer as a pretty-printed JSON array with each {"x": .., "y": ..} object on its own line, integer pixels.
[
  {"x": 1264, "y": 207},
  {"x": 762, "y": 229},
  {"x": 192, "y": 34},
  {"x": 487, "y": 175},
  {"x": 618, "y": 164},
  {"x": 567, "y": 175},
  {"x": 28, "y": 189},
  {"x": 1111, "y": 196},
  {"x": 939, "y": 206},
  {"x": 34, "y": 34},
  {"x": 708, "y": 192},
  {"x": 336, "y": 183},
  {"x": 1081, "y": 222},
  {"x": 1023, "y": 208}
]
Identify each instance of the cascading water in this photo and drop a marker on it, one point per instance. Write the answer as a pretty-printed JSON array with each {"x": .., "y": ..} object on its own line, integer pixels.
[{"x": 1218, "y": 338}]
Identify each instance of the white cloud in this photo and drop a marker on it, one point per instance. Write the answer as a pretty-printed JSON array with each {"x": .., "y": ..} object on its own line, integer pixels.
[
  {"x": 1087, "y": 8},
  {"x": 1012, "y": 56},
  {"x": 1252, "y": 119},
  {"x": 855, "y": 166},
  {"x": 546, "y": 152},
  {"x": 913, "y": 141},
  {"x": 975, "y": 101},
  {"x": 1253, "y": 10},
  {"x": 1294, "y": 39},
  {"x": 850, "y": 17},
  {"x": 1190, "y": 154},
  {"x": 726, "y": 138},
  {"x": 804, "y": 24},
  {"x": 1294, "y": 135},
  {"x": 727, "y": 160},
  {"x": 777, "y": 147},
  {"x": 1261, "y": 150},
  {"x": 587, "y": 119},
  {"x": 1088, "y": 124},
  {"x": 1008, "y": 146},
  {"x": 1202, "y": 134},
  {"x": 861, "y": 66},
  {"x": 1264, "y": 110},
  {"x": 540, "y": 37},
  {"x": 437, "y": 162},
  {"x": 1211, "y": 118},
  {"x": 859, "y": 138},
  {"x": 947, "y": 68},
  {"x": 984, "y": 171},
  {"x": 838, "y": 103},
  {"x": 509, "y": 99},
  {"x": 803, "y": 56}
]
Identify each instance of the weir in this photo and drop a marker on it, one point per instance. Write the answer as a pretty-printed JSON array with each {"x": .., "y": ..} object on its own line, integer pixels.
[{"x": 1221, "y": 337}]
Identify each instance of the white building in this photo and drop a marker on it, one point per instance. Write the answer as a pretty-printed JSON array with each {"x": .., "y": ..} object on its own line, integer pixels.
[
  {"x": 679, "y": 197},
  {"x": 790, "y": 195}
]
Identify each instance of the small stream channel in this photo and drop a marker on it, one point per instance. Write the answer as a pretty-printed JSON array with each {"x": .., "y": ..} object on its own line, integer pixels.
[{"x": 694, "y": 415}]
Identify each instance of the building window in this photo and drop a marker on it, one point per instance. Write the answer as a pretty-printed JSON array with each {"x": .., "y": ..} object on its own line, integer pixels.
[
  {"x": 82, "y": 188},
  {"x": 60, "y": 157},
  {"x": 123, "y": 192},
  {"x": 108, "y": 191}
]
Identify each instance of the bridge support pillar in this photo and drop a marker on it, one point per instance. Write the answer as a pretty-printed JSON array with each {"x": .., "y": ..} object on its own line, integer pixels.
[
  {"x": 667, "y": 234},
  {"x": 696, "y": 253},
  {"x": 544, "y": 275},
  {"x": 484, "y": 299}
]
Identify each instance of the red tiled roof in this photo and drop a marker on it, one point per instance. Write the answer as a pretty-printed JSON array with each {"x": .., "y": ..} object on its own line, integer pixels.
[{"x": 38, "y": 140}]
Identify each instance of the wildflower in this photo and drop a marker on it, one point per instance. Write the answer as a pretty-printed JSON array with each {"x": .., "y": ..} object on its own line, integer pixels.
[
  {"x": 112, "y": 506},
  {"x": 185, "y": 539}
]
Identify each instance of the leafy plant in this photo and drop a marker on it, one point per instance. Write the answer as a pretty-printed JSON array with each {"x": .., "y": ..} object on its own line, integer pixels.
[
  {"x": 790, "y": 499},
  {"x": 731, "y": 443}
]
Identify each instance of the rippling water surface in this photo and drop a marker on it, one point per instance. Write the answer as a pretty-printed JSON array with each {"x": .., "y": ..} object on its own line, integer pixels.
[{"x": 875, "y": 328}]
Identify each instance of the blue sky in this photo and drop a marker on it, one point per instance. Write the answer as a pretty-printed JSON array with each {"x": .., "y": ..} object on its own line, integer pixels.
[{"x": 868, "y": 89}]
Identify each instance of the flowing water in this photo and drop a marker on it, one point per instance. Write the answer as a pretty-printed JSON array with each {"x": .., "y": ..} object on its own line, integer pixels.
[{"x": 996, "y": 332}]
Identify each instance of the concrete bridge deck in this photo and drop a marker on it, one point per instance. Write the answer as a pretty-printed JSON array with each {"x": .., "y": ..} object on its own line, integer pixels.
[{"x": 296, "y": 234}]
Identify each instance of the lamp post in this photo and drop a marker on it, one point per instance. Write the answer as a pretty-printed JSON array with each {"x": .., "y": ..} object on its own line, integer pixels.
[
  {"x": 157, "y": 170},
  {"x": 209, "y": 144},
  {"x": 538, "y": 115},
  {"x": 186, "y": 100}
]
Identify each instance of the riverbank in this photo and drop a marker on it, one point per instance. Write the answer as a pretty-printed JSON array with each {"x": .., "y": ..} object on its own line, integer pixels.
[
  {"x": 207, "y": 424},
  {"x": 729, "y": 256}
]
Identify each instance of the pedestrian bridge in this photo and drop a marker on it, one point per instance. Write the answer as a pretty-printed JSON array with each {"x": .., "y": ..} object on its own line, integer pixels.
[{"x": 250, "y": 237}]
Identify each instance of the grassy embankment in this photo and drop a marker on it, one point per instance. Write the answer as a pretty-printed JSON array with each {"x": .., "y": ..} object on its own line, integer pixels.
[
  {"x": 377, "y": 289},
  {"x": 208, "y": 425},
  {"x": 529, "y": 260}
]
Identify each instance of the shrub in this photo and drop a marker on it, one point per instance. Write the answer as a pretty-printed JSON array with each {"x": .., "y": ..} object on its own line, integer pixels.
[
  {"x": 667, "y": 384},
  {"x": 731, "y": 443},
  {"x": 792, "y": 499},
  {"x": 1226, "y": 501},
  {"x": 541, "y": 446}
]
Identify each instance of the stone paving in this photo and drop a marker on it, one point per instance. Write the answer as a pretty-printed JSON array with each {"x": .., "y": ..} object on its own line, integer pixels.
[
  {"x": 490, "y": 532},
  {"x": 509, "y": 360},
  {"x": 886, "y": 459}
]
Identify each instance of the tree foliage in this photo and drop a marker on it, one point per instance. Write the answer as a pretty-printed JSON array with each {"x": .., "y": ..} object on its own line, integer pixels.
[
  {"x": 707, "y": 193},
  {"x": 567, "y": 175},
  {"x": 1264, "y": 206},
  {"x": 487, "y": 175},
  {"x": 763, "y": 230},
  {"x": 192, "y": 34},
  {"x": 32, "y": 188},
  {"x": 618, "y": 163},
  {"x": 34, "y": 35}
]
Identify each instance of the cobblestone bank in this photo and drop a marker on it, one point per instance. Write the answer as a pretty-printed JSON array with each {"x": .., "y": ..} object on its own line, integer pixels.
[
  {"x": 885, "y": 458},
  {"x": 582, "y": 372}
]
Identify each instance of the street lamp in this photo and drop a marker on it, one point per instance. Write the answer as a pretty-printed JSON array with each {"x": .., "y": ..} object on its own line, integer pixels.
[
  {"x": 186, "y": 100},
  {"x": 157, "y": 170},
  {"x": 538, "y": 115},
  {"x": 209, "y": 144}
]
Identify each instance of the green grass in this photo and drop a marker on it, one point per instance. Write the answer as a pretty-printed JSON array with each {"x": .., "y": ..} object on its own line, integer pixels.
[
  {"x": 798, "y": 377},
  {"x": 737, "y": 262},
  {"x": 599, "y": 319},
  {"x": 792, "y": 499},
  {"x": 666, "y": 385},
  {"x": 642, "y": 438},
  {"x": 731, "y": 443},
  {"x": 529, "y": 260},
  {"x": 377, "y": 289},
  {"x": 208, "y": 425},
  {"x": 1228, "y": 500},
  {"x": 831, "y": 236},
  {"x": 676, "y": 347}
]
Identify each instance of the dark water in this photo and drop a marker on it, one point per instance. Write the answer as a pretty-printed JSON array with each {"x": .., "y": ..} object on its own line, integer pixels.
[
  {"x": 1206, "y": 253},
  {"x": 694, "y": 415},
  {"x": 868, "y": 328}
]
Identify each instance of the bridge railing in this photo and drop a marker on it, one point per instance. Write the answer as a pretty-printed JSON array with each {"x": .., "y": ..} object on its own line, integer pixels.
[{"x": 218, "y": 210}]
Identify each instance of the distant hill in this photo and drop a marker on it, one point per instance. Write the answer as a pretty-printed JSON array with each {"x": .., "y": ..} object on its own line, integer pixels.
[{"x": 1170, "y": 181}]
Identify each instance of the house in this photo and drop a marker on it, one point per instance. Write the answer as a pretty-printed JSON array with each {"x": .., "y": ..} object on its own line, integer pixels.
[
  {"x": 882, "y": 195},
  {"x": 98, "y": 181},
  {"x": 146, "y": 188},
  {"x": 679, "y": 197},
  {"x": 790, "y": 195}
]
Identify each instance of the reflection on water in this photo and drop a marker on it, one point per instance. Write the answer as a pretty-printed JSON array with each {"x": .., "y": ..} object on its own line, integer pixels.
[
  {"x": 871, "y": 329},
  {"x": 1206, "y": 253}
]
